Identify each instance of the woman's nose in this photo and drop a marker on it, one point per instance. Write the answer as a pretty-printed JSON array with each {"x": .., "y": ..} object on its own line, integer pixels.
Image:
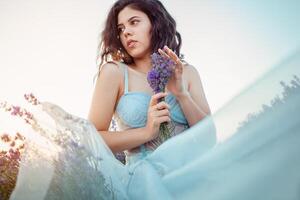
[{"x": 127, "y": 31}]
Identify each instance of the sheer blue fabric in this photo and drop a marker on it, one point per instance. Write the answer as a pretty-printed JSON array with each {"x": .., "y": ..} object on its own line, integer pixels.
[{"x": 255, "y": 156}]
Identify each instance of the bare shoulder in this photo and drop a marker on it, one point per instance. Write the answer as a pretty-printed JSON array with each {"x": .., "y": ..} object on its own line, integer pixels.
[
  {"x": 111, "y": 69},
  {"x": 189, "y": 71},
  {"x": 111, "y": 72},
  {"x": 189, "y": 68}
]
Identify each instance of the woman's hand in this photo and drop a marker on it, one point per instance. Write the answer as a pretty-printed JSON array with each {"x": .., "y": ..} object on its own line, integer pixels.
[
  {"x": 157, "y": 114},
  {"x": 175, "y": 84}
]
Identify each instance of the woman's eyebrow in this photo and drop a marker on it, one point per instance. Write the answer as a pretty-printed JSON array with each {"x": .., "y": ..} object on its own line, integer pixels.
[{"x": 129, "y": 19}]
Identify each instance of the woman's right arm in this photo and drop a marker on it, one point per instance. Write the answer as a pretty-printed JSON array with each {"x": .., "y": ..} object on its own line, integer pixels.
[{"x": 102, "y": 107}]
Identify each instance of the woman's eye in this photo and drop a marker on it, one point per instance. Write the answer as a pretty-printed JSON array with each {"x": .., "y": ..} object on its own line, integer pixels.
[
  {"x": 134, "y": 21},
  {"x": 120, "y": 30}
]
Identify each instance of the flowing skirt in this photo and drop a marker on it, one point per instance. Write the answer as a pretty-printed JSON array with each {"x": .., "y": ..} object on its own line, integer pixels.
[{"x": 247, "y": 150}]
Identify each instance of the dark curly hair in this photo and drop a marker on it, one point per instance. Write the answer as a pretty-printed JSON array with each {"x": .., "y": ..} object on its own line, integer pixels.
[{"x": 163, "y": 31}]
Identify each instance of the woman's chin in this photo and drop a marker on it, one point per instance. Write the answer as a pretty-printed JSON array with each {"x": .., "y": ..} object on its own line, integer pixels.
[{"x": 136, "y": 53}]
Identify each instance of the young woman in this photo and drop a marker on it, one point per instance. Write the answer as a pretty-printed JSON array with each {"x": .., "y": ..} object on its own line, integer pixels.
[
  {"x": 75, "y": 160},
  {"x": 134, "y": 30}
]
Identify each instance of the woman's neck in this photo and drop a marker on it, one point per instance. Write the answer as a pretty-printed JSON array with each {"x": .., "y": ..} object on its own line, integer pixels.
[{"x": 142, "y": 65}]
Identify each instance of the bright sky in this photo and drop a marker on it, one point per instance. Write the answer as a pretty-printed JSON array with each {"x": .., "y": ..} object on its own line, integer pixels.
[{"x": 49, "y": 47}]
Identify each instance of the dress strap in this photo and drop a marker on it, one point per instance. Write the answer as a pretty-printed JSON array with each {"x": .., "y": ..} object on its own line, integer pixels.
[
  {"x": 125, "y": 77},
  {"x": 143, "y": 150},
  {"x": 125, "y": 67}
]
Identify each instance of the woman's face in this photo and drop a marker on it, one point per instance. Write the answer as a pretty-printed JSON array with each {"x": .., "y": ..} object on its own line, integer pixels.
[{"x": 134, "y": 29}]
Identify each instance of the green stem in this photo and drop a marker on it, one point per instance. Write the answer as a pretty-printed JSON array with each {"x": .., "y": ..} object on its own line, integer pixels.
[{"x": 164, "y": 132}]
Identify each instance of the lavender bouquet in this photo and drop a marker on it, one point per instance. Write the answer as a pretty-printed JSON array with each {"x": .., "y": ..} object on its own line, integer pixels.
[{"x": 158, "y": 77}]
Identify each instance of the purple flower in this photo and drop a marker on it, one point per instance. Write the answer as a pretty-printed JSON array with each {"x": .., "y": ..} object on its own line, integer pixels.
[
  {"x": 16, "y": 110},
  {"x": 31, "y": 99},
  {"x": 160, "y": 73},
  {"x": 153, "y": 80},
  {"x": 158, "y": 77}
]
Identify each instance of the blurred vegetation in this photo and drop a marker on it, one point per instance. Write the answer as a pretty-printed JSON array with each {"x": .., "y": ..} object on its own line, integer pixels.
[
  {"x": 9, "y": 162},
  {"x": 120, "y": 155},
  {"x": 289, "y": 94}
]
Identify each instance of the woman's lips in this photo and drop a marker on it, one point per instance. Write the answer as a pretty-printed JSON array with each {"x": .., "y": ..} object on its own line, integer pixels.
[{"x": 131, "y": 44}]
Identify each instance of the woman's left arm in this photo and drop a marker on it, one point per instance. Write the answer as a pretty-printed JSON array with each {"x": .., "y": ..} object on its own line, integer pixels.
[
  {"x": 193, "y": 103},
  {"x": 192, "y": 100}
]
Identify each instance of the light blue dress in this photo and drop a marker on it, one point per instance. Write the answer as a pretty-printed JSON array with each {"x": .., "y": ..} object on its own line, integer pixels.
[
  {"x": 247, "y": 150},
  {"x": 131, "y": 112}
]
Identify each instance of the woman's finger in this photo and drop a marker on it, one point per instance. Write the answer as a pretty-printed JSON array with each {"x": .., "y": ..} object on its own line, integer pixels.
[
  {"x": 159, "y": 106},
  {"x": 164, "y": 119},
  {"x": 155, "y": 97},
  {"x": 162, "y": 105},
  {"x": 172, "y": 55},
  {"x": 161, "y": 113},
  {"x": 164, "y": 54}
]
